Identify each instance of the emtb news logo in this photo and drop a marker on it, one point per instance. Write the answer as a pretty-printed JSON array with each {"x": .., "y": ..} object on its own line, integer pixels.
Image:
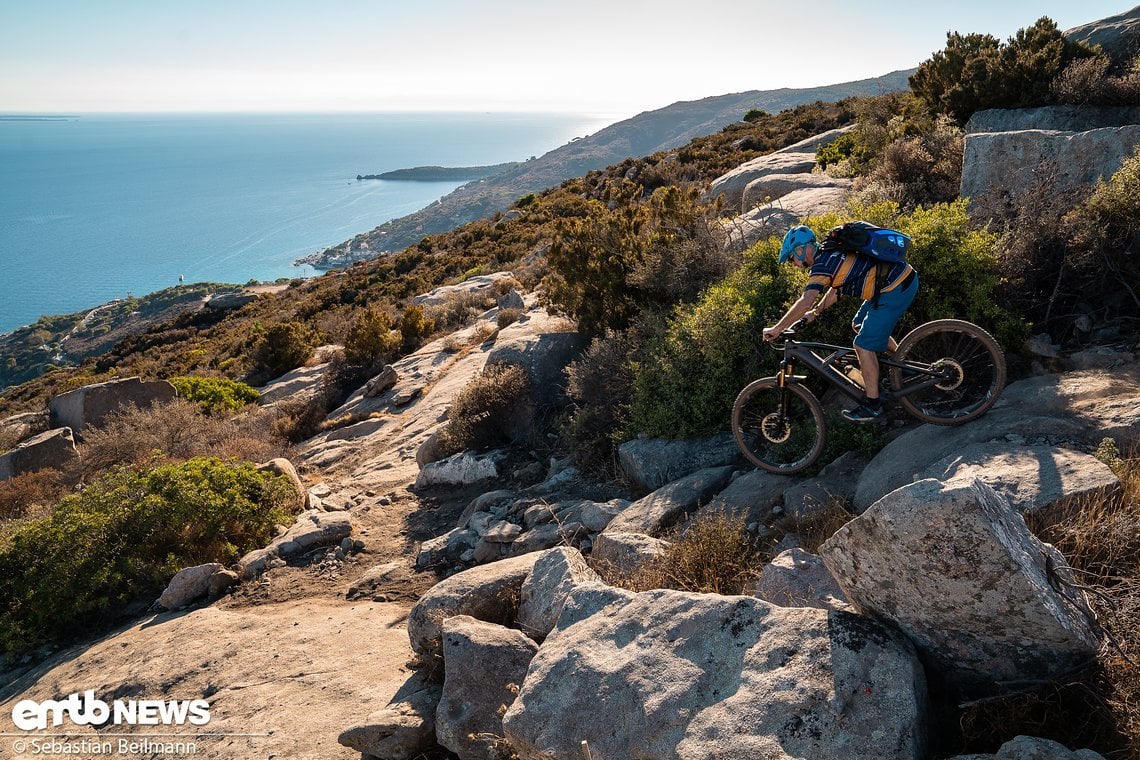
[{"x": 30, "y": 715}]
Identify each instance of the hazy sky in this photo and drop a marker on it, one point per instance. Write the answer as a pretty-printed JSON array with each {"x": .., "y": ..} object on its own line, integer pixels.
[{"x": 605, "y": 56}]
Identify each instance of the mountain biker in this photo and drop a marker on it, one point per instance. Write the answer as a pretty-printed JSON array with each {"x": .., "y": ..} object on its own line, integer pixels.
[{"x": 834, "y": 272}]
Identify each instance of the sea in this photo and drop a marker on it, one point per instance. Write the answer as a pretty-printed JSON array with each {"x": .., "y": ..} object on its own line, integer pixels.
[{"x": 102, "y": 206}]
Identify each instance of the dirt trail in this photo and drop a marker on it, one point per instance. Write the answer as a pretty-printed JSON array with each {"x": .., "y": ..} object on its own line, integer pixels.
[
  {"x": 287, "y": 659},
  {"x": 305, "y": 651}
]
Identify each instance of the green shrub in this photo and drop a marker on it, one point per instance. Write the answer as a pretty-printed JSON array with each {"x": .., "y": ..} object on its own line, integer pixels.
[
  {"x": 975, "y": 71},
  {"x": 215, "y": 395},
  {"x": 123, "y": 537},
  {"x": 370, "y": 339},
  {"x": 492, "y": 409},
  {"x": 1104, "y": 235},
  {"x": 839, "y": 149},
  {"x": 415, "y": 327},
  {"x": 697, "y": 360},
  {"x": 600, "y": 384},
  {"x": 629, "y": 254},
  {"x": 284, "y": 346},
  {"x": 695, "y": 363}
]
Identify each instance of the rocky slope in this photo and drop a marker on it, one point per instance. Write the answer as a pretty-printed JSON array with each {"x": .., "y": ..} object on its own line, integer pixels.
[
  {"x": 328, "y": 631},
  {"x": 425, "y": 601}
]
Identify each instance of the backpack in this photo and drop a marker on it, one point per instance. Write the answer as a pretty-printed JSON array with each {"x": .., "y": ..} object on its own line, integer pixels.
[
  {"x": 885, "y": 245},
  {"x": 879, "y": 243}
]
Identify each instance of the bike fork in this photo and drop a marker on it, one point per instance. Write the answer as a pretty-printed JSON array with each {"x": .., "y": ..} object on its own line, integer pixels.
[{"x": 781, "y": 380}]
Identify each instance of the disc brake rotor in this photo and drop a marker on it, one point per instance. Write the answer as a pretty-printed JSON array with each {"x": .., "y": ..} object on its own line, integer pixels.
[
  {"x": 955, "y": 377},
  {"x": 776, "y": 428}
]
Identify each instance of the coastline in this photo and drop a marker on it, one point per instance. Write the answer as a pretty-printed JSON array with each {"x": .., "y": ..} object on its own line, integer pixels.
[
  {"x": 111, "y": 204},
  {"x": 440, "y": 173}
]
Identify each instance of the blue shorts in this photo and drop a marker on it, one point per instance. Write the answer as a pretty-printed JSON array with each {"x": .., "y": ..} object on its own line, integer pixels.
[{"x": 876, "y": 323}]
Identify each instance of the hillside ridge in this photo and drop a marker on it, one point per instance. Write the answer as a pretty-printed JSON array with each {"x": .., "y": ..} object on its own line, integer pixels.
[{"x": 641, "y": 135}]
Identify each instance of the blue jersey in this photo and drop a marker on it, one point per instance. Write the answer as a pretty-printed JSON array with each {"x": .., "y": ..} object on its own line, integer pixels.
[{"x": 853, "y": 274}]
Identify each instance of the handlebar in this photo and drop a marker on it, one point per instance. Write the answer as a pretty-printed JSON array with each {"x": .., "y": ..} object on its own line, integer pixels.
[
  {"x": 802, "y": 321},
  {"x": 789, "y": 331}
]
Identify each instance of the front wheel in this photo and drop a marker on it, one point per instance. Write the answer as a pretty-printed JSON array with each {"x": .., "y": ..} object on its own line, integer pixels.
[
  {"x": 779, "y": 429},
  {"x": 972, "y": 361}
]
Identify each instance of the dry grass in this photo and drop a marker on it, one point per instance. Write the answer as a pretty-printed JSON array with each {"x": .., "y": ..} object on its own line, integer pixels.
[
  {"x": 30, "y": 494},
  {"x": 508, "y": 316},
  {"x": 1100, "y": 707},
  {"x": 822, "y": 525},
  {"x": 493, "y": 408},
  {"x": 177, "y": 430},
  {"x": 713, "y": 553}
]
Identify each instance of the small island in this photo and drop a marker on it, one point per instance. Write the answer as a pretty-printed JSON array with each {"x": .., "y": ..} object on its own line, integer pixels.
[{"x": 441, "y": 173}]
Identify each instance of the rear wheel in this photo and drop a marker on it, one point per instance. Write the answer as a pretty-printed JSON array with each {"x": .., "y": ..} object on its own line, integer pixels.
[
  {"x": 779, "y": 437},
  {"x": 971, "y": 360}
]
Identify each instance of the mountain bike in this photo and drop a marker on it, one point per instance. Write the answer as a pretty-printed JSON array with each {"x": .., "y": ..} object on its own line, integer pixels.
[{"x": 945, "y": 372}]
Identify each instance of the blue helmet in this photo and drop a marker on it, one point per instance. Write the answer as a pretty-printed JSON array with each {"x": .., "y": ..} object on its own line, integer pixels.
[{"x": 796, "y": 237}]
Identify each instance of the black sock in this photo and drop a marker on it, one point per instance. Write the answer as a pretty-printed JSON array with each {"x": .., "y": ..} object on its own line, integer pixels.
[{"x": 874, "y": 403}]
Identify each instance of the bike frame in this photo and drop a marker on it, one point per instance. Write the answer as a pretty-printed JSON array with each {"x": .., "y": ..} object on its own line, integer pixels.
[{"x": 924, "y": 375}]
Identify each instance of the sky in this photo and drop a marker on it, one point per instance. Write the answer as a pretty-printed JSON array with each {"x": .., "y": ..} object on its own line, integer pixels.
[{"x": 617, "y": 57}]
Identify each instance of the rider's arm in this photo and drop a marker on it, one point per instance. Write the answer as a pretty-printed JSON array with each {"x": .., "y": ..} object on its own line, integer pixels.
[
  {"x": 797, "y": 310},
  {"x": 829, "y": 298}
]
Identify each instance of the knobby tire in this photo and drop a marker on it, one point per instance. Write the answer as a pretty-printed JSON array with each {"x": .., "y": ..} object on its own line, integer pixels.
[
  {"x": 974, "y": 355},
  {"x": 806, "y": 431}
]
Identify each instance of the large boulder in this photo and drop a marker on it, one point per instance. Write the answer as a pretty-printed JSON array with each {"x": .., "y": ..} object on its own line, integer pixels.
[
  {"x": 462, "y": 469},
  {"x": 189, "y": 585},
  {"x": 404, "y": 729},
  {"x": 1117, "y": 35},
  {"x": 775, "y": 187},
  {"x": 755, "y": 224},
  {"x": 312, "y": 529},
  {"x": 999, "y": 168},
  {"x": 54, "y": 449},
  {"x": 665, "y": 507},
  {"x": 91, "y": 404},
  {"x": 484, "y": 665},
  {"x": 796, "y": 578},
  {"x": 753, "y": 495},
  {"x": 1054, "y": 118},
  {"x": 282, "y": 466},
  {"x": 793, "y": 159},
  {"x": 1031, "y": 478},
  {"x": 833, "y": 487},
  {"x": 297, "y": 385},
  {"x": 626, "y": 554},
  {"x": 21, "y": 426},
  {"x": 229, "y": 301},
  {"x": 1032, "y": 748},
  {"x": 543, "y": 345},
  {"x": 955, "y": 568},
  {"x": 486, "y": 592},
  {"x": 1081, "y": 407},
  {"x": 654, "y": 462},
  {"x": 484, "y": 286},
  {"x": 668, "y": 674},
  {"x": 557, "y": 572}
]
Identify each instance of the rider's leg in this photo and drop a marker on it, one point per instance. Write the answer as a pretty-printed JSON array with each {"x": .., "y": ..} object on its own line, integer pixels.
[
  {"x": 875, "y": 322},
  {"x": 869, "y": 366}
]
